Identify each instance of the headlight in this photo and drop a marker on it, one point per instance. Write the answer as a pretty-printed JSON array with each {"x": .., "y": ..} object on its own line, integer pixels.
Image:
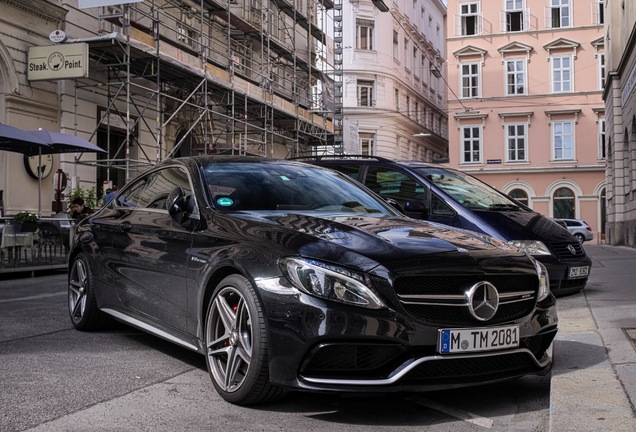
[
  {"x": 531, "y": 247},
  {"x": 331, "y": 282},
  {"x": 544, "y": 281}
]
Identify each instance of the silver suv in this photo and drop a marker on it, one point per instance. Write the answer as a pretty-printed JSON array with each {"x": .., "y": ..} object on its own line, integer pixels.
[{"x": 579, "y": 229}]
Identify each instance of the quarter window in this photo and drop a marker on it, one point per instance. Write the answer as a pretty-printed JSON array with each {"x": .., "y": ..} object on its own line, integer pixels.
[
  {"x": 563, "y": 140},
  {"x": 471, "y": 144}
]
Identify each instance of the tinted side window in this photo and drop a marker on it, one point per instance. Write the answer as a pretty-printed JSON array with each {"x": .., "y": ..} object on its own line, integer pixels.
[
  {"x": 130, "y": 196},
  {"x": 390, "y": 183},
  {"x": 160, "y": 184},
  {"x": 352, "y": 171}
]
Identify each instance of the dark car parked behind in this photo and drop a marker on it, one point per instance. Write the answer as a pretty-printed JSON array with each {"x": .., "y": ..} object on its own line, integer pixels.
[
  {"x": 451, "y": 197},
  {"x": 291, "y": 276}
]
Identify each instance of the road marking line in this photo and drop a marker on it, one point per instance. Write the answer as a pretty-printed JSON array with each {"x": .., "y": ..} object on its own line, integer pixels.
[
  {"x": 35, "y": 297},
  {"x": 460, "y": 414}
]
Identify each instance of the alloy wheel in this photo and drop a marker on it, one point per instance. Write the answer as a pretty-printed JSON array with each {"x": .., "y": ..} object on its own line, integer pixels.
[
  {"x": 229, "y": 339},
  {"x": 78, "y": 283}
]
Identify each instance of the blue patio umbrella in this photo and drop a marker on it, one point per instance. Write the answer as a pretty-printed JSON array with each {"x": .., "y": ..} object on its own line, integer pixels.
[
  {"x": 16, "y": 140},
  {"x": 65, "y": 143}
]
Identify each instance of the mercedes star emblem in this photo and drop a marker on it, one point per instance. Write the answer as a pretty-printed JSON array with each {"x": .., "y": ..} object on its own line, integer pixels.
[{"x": 483, "y": 300}]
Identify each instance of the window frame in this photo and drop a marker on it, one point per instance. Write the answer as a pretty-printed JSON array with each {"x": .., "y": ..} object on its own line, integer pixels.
[
  {"x": 472, "y": 140},
  {"x": 602, "y": 136},
  {"x": 560, "y": 69},
  {"x": 516, "y": 137},
  {"x": 554, "y": 136},
  {"x": 365, "y": 34},
  {"x": 476, "y": 64},
  {"x": 514, "y": 74},
  {"x": 559, "y": 5},
  {"x": 507, "y": 17},
  {"x": 462, "y": 16},
  {"x": 601, "y": 70},
  {"x": 369, "y": 87}
]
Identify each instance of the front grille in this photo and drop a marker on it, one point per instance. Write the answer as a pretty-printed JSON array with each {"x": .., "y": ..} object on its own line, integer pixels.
[
  {"x": 562, "y": 250},
  {"x": 346, "y": 360},
  {"x": 445, "y": 302},
  {"x": 471, "y": 369}
]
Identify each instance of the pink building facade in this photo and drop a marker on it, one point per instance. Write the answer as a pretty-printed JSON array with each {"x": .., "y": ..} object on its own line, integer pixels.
[{"x": 526, "y": 113}]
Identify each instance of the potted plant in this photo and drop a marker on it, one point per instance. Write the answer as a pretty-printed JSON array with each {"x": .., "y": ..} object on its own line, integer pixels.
[{"x": 26, "y": 221}]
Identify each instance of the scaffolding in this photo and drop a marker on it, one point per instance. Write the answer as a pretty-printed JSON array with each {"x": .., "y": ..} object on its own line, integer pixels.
[{"x": 179, "y": 77}]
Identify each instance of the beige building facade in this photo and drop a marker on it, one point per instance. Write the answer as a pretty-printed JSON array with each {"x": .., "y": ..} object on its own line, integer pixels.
[
  {"x": 165, "y": 78},
  {"x": 620, "y": 101},
  {"x": 526, "y": 113}
]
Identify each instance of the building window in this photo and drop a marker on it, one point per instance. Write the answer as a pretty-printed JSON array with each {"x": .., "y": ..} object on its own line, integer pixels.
[
  {"x": 364, "y": 34},
  {"x": 365, "y": 93},
  {"x": 408, "y": 106},
  {"x": 563, "y": 203},
  {"x": 515, "y": 77},
  {"x": 367, "y": 143},
  {"x": 516, "y": 142},
  {"x": 470, "y": 80},
  {"x": 406, "y": 53},
  {"x": 601, "y": 71},
  {"x": 469, "y": 19},
  {"x": 598, "y": 12},
  {"x": 563, "y": 140},
  {"x": 519, "y": 195},
  {"x": 602, "y": 152},
  {"x": 471, "y": 144},
  {"x": 396, "y": 97},
  {"x": 559, "y": 14},
  {"x": 515, "y": 16},
  {"x": 396, "y": 46},
  {"x": 561, "y": 74},
  {"x": 414, "y": 63}
]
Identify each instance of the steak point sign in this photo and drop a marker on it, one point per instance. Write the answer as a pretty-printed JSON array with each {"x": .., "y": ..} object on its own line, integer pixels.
[{"x": 58, "y": 62}]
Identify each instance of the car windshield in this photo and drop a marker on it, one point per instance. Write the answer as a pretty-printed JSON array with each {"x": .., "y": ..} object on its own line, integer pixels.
[
  {"x": 262, "y": 186},
  {"x": 467, "y": 190}
]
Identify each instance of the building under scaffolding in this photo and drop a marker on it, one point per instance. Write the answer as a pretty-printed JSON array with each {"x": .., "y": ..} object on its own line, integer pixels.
[{"x": 177, "y": 77}]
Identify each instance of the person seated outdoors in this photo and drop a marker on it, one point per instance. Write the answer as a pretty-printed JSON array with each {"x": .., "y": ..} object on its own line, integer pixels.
[
  {"x": 110, "y": 194},
  {"x": 78, "y": 210}
]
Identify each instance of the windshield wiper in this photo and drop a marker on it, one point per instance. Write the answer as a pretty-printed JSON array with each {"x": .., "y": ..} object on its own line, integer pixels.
[{"x": 503, "y": 207}]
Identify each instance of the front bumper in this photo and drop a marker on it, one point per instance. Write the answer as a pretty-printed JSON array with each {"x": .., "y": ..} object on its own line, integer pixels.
[{"x": 321, "y": 346}]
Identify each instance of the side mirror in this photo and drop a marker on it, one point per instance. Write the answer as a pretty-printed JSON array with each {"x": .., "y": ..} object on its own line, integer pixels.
[
  {"x": 176, "y": 203},
  {"x": 395, "y": 204},
  {"x": 183, "y": 209},
  {"x": 416, "y": 209}
]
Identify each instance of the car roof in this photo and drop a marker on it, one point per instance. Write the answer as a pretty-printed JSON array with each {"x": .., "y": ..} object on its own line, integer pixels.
[{"x": 359, "y": 159}]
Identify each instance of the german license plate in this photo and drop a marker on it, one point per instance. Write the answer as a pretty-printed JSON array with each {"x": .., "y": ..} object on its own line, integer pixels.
[
  {"x": 477, "y": 339},
  {"x": 578, "y": 272}
]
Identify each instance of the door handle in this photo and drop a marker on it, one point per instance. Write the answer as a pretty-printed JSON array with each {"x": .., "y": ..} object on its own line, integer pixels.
[{"x": 125, "y": 226}]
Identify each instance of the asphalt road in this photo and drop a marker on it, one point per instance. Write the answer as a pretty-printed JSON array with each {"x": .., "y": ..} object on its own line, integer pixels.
[{"x": 54, "y": 378}]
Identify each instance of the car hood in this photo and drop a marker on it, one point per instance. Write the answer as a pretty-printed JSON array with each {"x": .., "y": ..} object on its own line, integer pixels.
[
  {"x": 364, "y": 241},
  {"x": 525, "y": 225}
]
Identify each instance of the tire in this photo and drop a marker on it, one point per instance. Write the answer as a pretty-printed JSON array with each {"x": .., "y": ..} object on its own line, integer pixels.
[
  {"x": 580, "y": 238},
  {"x": 236, "y": 349},
  {"x": 82, "y": 306}
]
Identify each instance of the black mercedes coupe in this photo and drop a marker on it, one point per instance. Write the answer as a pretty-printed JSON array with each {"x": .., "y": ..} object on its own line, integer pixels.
[{"x": 288, "y": 276}]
